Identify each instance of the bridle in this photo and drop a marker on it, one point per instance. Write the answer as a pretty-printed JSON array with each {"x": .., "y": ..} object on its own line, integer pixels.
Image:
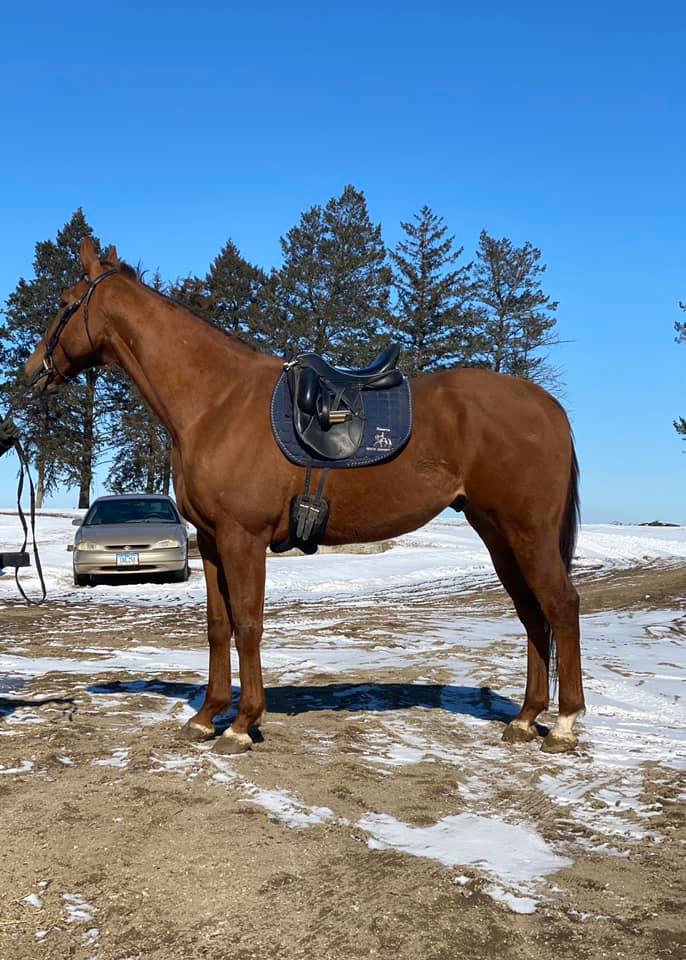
[{"x": 49, "y": 366}]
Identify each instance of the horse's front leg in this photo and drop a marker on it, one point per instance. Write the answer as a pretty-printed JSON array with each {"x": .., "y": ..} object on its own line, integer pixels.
[
  {"x": 218, "y": 696},
  {"x": 244, "y": 560}
]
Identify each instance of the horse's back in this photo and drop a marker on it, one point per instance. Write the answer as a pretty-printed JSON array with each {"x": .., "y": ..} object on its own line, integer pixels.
[{"x": 511, "y": 439}]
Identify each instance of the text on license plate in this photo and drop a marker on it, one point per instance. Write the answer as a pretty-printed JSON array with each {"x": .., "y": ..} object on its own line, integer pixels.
[{"x": 127, "y": 560}]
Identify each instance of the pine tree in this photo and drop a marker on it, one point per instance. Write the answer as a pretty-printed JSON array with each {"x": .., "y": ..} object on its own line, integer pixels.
[
  {"x": 60, "y": 430},
  {"x": 432, "y": 318},
  {"x": 680, "y": 327},
  {"x": 142, "y": 449},
  {"x": 331, "y": 294},
  {"x": 514, "y": 318},
  {"x": 234, "y": 286},
  {"x": 139, "y": 443},
  {"x": 191, "y": 292}
]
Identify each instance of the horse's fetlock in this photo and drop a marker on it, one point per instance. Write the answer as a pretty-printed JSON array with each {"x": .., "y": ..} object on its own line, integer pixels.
[{"x": 251, "y": 710}]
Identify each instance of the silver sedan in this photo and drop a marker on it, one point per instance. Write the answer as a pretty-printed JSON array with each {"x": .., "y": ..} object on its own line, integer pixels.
[{"x": 131, "y": 534}]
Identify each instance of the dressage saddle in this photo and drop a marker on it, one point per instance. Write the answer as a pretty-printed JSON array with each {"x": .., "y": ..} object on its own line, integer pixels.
[
  {"x": 328, "y": 406},
  {"x": 331, "y": 418}
]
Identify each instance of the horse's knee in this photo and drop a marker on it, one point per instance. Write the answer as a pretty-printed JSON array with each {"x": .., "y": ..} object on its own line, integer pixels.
[
  {"x": 247, "y": 636},
  {"x": 217, "y": 630}
]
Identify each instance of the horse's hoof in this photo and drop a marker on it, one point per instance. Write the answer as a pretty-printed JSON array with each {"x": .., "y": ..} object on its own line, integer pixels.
[
  {"x": 196, "y": 732},
  {"x": 231, "y": 742},
  {"x": 553, "y": 744},
  {"x": 518, "y": 733}
]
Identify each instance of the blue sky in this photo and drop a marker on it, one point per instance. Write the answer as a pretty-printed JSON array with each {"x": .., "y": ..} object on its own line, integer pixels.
[{"x": 176, "y": 126}]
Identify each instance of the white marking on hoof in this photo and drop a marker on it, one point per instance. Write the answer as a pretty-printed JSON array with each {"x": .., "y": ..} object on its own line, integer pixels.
[
  {"x": 232, "y": 742},
  {"x": 563, "y": 727},
  {"x": 562, "y": 737},
  {"x": 201, "y": 727},
  {"x": 196, "y": 731},
  {"x": 519, "y": 731}
]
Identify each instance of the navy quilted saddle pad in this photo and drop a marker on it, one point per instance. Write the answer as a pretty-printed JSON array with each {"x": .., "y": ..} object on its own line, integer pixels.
[{"x": 387, "y": 425}]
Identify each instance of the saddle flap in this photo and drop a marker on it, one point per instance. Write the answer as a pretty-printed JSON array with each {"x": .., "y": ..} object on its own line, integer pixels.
[
  {"x": 334, "y": 430},
  {"x": 307, "y": 391}
]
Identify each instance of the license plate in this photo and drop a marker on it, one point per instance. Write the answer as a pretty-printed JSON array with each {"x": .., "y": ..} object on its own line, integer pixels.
[{"x": 127, "y": 560}]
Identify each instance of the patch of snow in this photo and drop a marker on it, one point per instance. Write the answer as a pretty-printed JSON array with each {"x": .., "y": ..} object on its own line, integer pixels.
[
  {"x": 285, "y": 806},
  {"x": 515, "y": 856},
  {"x": 34, "y": 900},
  {"x": 78, "y": 909},
  {"x": 119, "y": 758},
  {"x": 25, "y": 767}
]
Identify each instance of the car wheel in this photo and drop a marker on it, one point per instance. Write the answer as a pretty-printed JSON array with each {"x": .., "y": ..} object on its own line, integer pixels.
[
  {"x": 81, "y": 580},
  {"x": 180, "y": 576}
]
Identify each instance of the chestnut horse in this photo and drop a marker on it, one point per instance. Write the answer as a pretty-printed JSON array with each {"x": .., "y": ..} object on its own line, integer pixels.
[{"x": 497, "y": 447}]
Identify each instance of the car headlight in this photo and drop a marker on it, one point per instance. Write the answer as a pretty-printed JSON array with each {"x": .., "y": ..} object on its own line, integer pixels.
[
  {"x": 88, "y": 545},
  {"x": 162, "y": 544}
]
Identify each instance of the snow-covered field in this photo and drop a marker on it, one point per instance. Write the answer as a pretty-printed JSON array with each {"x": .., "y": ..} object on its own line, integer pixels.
[
  {"x": 422, "y": 684},
  {"x": 444, "y": 555}
]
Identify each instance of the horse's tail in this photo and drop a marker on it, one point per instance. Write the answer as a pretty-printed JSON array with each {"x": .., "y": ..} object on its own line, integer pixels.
[
  {"x": 570, "y": 520},
  {"x": 569, "y": 529}
]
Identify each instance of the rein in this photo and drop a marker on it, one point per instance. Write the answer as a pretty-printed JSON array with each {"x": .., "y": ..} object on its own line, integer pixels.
[
  {"x": 49, "y": 367},
  {"x": 24, "y": 471}
]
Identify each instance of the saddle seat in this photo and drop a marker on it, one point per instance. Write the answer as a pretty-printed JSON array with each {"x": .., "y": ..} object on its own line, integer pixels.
[{"x": 379, "y": 375}]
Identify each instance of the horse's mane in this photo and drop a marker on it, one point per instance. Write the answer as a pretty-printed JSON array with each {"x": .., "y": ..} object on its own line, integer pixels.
[{"x": 136, "y": 274}]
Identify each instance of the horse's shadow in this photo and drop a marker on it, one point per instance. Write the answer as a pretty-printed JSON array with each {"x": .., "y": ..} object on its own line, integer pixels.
[
  {"x": 481, "y": 703},
  {"x": 12, "y": 684},
  {"x": 9, "y": 704}
]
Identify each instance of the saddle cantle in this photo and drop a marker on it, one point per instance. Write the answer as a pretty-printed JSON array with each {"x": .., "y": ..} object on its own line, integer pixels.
[{"x": 326, "y": 416}]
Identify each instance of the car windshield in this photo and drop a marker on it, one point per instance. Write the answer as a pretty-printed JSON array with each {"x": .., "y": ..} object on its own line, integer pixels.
[{"x": 130, "y": 511}]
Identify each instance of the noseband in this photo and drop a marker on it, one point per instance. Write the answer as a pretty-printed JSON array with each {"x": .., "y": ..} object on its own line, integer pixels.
[{"x": 49, "y": 365}]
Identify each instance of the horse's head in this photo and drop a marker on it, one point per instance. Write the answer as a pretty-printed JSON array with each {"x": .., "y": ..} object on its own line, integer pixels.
[{"x": 73, "y": 340}]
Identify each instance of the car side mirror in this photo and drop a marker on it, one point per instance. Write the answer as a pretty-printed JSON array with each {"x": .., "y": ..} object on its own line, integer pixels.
[{"x": 76, "y": 522}]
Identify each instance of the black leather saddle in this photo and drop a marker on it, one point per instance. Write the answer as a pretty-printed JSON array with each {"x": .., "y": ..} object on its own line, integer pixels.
[
  {"x": 329, "y": 404},
  {"x": 325, "y": 417}
]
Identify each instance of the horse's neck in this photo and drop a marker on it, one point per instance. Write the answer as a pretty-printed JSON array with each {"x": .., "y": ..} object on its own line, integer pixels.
[{"x": 182, "y": 365}]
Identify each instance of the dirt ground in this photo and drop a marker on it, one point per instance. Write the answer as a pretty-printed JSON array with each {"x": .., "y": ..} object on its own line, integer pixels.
[{"x": 134, "y": 844}]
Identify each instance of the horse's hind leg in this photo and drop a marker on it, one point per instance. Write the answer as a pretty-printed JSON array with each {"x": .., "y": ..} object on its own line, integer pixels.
[
  {"x": 542, "y": 566},
  {"x": 218, "y": 696},
  {"x": 522, "y": 728}
]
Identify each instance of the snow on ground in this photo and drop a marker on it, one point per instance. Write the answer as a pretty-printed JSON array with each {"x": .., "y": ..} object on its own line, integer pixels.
[
  {"x": 460, "y": 674},
  {"x": 513, "y": 854},
  {"x": 445, "y": 554}
]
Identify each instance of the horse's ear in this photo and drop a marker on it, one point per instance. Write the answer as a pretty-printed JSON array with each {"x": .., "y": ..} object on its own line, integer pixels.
[
  {"x": 111, "y": 256},
  {"x": 89, "y": 258}
]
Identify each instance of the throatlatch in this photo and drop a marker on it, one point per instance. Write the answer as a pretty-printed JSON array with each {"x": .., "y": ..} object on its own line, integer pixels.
[{"x": 308, "y": 517}]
